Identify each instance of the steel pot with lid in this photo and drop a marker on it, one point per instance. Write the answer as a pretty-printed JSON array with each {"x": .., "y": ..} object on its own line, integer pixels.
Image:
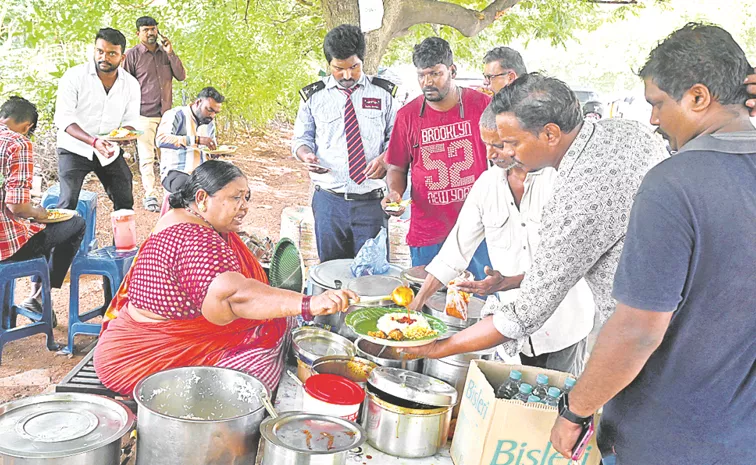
[
  {"x": 352, "y": 368},
  {"x": 198, "y": 415},
  {"x": 436, "y": 306},
  {"x": 387, "y": 356},
  {"x": 298, "y": 438},
  {"x": 333, "y": 274},
  {"x": 368, "y": 288},
  {"x": 336, "y": 274},
  {"x": 415, "y": 276},
  {"x": 408, "y": 414},
  {"x": 310, "y": 343},
  {"x": 63, "y": 429},
  {"x": 453, "y": 369}
]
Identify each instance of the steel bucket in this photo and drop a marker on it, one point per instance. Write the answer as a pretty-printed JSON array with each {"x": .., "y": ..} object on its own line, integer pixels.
[{"x": 199, "y": 416}]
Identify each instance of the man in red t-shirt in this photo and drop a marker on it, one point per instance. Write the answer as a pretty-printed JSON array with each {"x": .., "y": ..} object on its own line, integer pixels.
[{"x": 437, "y": 138}]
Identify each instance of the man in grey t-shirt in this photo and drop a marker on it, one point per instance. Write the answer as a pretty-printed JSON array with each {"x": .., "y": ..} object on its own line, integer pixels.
[{"x": 675, "y": 362}]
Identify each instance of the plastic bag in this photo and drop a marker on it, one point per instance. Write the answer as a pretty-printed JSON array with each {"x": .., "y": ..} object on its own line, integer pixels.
[
  {"x": 371, "y": 259},
  {"x": 456, "y": 300}
]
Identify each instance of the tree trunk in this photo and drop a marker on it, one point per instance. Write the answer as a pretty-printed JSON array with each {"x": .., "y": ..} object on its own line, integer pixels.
[{"x": 400, "y": 15}]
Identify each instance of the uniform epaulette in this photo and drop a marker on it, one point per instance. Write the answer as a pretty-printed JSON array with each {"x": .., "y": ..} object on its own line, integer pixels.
[
  {"x": 385, "y": 84},
  {"x": 307, "y": 91}
]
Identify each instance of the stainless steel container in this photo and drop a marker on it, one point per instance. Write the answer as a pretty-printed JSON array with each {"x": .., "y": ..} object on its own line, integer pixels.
[
  {"x": 352, "y": 368},
  {"x": 334, "y": 274},
  {"x": 387, "y": 356},
  {"x": 436, "y": 306},
  {"x": 408, "y": 414},
  {"x": 368, "y": 288},
  {"x": 297, "y": 438},
  {"x": 453, "y": 369},
  {"x": 309, "y": 343},
  {"x": 63, "y": 429},
  {"x": 198, "y": 416}
]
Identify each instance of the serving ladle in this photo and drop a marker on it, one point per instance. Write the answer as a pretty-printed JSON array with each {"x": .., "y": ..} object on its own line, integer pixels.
[{"x": 401, "y": 296}]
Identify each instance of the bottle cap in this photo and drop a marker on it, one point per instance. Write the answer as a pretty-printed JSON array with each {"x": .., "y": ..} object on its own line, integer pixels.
[
  {"x": 526, "y": 388},
  {"x": 534, "y": 399},
  {"x": 515, "y": 375},
  {"x": 542, "y": 379},
  {"x": 554, "y": 392},
  {"x": 570, "y": 382}
]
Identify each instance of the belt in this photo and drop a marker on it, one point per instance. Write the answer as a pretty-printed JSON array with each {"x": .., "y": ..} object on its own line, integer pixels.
[{"x": 376, "y": 194}]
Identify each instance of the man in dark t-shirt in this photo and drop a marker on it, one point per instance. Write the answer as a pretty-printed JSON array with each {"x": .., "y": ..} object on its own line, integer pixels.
[
  {"x": 675, "y": 363},
  {"x": 437, "y": 138}
]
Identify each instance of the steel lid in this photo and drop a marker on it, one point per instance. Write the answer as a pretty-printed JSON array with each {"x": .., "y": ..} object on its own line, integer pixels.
[
  {"x": 437, "y": 306},
  {"x": 60, "y": 425},
  {"x": 374, "y": 285},
  {"x": 413, "y": 387},
  {"x": 414, "y": 275},
  {"x": 310, "y": 343},
  {"x": 327, "y": 273},
  {"x": 290, "y": 430}
]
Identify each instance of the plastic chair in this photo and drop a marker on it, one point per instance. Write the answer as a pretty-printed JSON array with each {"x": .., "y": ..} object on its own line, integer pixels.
[
  {"x": 40, "y": 324},
  {"x": 105, "y": 262},
  {"x": 87, "y": 208}
]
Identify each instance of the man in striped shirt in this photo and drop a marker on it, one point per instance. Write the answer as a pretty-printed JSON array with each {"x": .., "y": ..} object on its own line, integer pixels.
[{"x": 186, "y": 133}]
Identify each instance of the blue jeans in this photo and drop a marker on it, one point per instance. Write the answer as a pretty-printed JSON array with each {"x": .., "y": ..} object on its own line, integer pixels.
[
  {"x": 480, "y": 260},
  {"x": 342, "y": 226},
  {"x": 610, "y": 460}
]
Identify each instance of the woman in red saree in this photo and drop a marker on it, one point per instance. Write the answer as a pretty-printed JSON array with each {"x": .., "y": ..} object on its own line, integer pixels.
[{"x": 196, "y": 295}]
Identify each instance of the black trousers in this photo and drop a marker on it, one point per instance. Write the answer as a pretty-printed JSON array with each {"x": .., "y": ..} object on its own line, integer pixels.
[
  {"x": 58, "y": 242},
  {"x": 115, "y": 178}
]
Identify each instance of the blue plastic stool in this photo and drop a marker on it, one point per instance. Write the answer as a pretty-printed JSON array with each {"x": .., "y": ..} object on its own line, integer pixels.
[
  {"x": 87, "y": 208},
  {"x": 105, "y": 262},
  {"x": 9, "y": 272}
]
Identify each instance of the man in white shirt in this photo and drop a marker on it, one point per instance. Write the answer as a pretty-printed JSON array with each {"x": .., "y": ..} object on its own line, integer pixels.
[
  {"x": 95, "y": 98},
  {"x": 504, "y": 208}
]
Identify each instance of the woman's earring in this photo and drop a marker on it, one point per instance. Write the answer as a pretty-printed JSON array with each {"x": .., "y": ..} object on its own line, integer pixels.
[{"x": 202, "y": 208}]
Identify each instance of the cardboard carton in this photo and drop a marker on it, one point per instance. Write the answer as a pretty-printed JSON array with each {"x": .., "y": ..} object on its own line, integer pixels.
[{"x": 493, "y": 431}]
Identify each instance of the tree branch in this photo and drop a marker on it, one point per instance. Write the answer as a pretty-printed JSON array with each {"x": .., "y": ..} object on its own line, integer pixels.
[
  {"x": 614, "y": 2},
  {"x": 468, "y": 22}
]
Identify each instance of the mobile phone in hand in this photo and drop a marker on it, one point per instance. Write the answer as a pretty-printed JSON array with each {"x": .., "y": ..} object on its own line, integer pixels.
[{"x": 585, "y": 437}]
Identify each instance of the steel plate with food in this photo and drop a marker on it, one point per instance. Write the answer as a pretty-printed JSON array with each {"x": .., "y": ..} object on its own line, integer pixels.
[
  {"x": 396, "y": 206},
  {"x": 394, "y": 327},
  {"x": 58, "y": 215},
  {"x": 121, "y": 135},
  {"x": 222, "y": 150}
]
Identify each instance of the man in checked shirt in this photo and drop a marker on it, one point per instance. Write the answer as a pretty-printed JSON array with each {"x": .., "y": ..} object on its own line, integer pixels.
[
  {"x": 341, "y": 133},
  {"x": 21, "y": 236}
]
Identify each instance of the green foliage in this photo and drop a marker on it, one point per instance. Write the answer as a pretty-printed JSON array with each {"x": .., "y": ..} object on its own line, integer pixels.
[
  {"x": 257, "y": 56},
  {"x": 259, "y": 53}
]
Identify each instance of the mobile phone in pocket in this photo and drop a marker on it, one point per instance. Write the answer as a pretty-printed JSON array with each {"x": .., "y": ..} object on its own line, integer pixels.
[{"x": 585, "y": 437}]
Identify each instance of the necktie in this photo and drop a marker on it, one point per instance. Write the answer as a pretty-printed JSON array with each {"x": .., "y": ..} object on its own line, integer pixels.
[{"x": 357, "y": 161}]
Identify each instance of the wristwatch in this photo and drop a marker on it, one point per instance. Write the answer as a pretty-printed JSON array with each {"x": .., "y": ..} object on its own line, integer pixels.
[{"x": 564, "y": 412}]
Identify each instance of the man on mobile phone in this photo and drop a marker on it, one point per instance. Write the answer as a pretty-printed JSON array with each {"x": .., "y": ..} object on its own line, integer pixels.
[
  {"x": 674, "y": 365},
  {"x": 155, "y": 64},
  {"x": 341, "y": 132}
]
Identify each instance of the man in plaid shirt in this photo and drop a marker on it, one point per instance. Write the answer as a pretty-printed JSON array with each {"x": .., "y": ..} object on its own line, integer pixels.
[{"x": 20, "y": 238}]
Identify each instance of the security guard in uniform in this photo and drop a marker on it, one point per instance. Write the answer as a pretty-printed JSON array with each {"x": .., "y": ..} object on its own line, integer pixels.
[{"x": 341, "y": 133}]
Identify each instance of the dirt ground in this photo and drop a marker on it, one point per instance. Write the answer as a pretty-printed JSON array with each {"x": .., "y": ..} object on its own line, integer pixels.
[{"x": 276, "y": 180}]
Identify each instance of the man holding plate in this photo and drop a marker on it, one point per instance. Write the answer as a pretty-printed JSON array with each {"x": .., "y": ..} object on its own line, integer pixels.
[
  {"x": 186, "y": 136},
  {"x": 95, "y": 99},
  {"x": 21, "y": 239}
]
